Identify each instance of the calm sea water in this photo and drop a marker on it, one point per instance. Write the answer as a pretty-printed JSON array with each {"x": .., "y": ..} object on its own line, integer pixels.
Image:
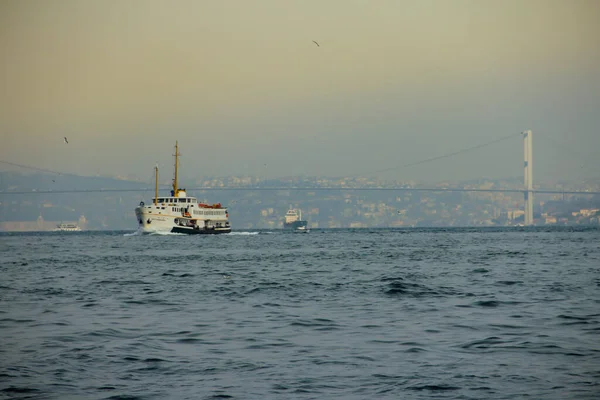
[{"x": 332, "y": 314}]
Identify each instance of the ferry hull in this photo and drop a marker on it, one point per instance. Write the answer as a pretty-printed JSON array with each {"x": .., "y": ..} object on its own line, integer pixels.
[
  {"x": 192, "y": 231},
  {"x": 163, "y": 223}
]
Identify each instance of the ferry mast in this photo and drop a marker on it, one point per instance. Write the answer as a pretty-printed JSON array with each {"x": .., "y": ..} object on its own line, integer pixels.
[{"x": 175, "y": 182}]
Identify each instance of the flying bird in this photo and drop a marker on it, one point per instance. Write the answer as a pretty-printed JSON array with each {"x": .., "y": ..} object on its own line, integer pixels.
[
  {"x": 316, "y": 43},
  {"x": 66, "y": 141}
]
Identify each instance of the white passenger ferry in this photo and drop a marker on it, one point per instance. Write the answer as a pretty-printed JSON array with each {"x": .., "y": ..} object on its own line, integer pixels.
[
  {"x": 67, "y": 228},
  {"x": 180, "y": 213}
]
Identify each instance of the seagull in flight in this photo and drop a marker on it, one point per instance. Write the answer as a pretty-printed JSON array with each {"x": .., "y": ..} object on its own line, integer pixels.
[
  {"x": 66, "y": 141},
  {"x": 314, "y": 41}
]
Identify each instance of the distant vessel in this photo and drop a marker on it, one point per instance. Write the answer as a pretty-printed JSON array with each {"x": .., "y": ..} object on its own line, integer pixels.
[
  {"x": 180, "y": 213},
  {"x": 67, "y": 228},
  {"x": 293, "y": 220}
]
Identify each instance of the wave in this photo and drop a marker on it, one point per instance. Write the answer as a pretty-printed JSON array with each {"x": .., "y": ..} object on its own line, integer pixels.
[
  {"x": 242, "y": 233},
  {"x": 163, "y": 233},
  {"x": 136, "y": 233},
  {"x": 140, "y": 232}
]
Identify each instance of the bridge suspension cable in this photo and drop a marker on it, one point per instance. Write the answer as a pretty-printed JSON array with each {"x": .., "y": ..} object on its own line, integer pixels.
[
  {"x": 411, "y": 164},
  {"x": 447, "y": 155},
  {"x": 37, "y": 168}
]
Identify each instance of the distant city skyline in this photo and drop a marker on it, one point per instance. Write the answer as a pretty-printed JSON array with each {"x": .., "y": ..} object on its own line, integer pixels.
[
  {"x": 481, "y": 203},
  {"x": 246, "y": 91}
]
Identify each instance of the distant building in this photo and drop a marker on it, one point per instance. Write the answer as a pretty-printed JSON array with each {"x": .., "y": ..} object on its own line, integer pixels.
[
  {"x": 514, "y": 214},
  {"x": 588, "y": 212}
]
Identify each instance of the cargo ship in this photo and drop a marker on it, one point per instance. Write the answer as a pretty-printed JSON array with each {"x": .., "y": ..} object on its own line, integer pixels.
[{"x": 293, "y": 221}]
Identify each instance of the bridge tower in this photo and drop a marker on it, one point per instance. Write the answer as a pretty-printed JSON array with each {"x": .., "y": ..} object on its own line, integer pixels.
[{"x": 528, "y": 147}]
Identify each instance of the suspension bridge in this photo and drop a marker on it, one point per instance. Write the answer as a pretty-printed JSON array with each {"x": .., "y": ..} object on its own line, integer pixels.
[{"x": 527, "y": 190}]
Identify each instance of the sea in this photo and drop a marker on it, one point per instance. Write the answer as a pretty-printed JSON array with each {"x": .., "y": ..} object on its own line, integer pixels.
[{"x": 456, "y": 313}]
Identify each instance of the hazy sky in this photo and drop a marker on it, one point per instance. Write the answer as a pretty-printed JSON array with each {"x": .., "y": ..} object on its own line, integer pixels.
[{"x": 240, "y": 84}]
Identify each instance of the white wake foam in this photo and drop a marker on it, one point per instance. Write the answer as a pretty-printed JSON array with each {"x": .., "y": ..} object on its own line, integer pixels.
[
  {"x": 136, "y": 233},
  {"x": 163, "y": 233},
  {"x": 140, "y": 232}
]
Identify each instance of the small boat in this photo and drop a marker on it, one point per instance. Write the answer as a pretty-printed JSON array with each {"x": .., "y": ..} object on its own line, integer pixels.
[
  {"x": 67, "y": 228},
  {"x": 180, "y": 213}
]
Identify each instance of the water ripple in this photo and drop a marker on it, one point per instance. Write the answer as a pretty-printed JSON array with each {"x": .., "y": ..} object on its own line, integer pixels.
[{"x": 337, "y": 314}]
